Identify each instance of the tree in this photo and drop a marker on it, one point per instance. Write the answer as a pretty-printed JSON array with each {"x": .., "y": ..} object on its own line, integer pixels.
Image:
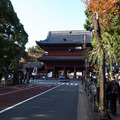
[
  {"x": 105, "y": 42},
  {"x": 35, "y": 52},
  {"x": 111, "y": 40},
  {"x": 13, "y": 37},
  {"x": 88, "y": 25},
  {"x": 105, "y": 9}
]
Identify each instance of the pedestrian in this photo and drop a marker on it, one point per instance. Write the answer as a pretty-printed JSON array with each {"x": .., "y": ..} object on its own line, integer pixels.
[
  {"x": 1, "y": 74},
  {"x": 112, "y": 90},
  {"x": 107, "y": 78},
  {"x": 82, "y": 78},
  {"x": 119, "y": 87},
  {"x": 118, "y": 79},
  {"x": 106, "y": 93}
]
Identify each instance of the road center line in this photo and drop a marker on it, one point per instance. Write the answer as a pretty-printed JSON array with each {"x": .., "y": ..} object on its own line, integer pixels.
[{"x": 28, "y": 99}]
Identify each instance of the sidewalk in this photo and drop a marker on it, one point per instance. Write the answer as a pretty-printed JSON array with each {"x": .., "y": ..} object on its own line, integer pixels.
[{"x": 85, "y": 111}]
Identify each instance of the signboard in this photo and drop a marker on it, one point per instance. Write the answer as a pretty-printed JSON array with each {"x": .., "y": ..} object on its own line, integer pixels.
[{"x": 78, "y": 48}]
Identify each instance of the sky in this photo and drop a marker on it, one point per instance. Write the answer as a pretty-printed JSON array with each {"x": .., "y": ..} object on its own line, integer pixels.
[{"x": 41, "y": 16}]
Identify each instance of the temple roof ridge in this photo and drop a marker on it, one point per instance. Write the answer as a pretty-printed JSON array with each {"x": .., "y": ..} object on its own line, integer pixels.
[{"x": 68, "y": 31}]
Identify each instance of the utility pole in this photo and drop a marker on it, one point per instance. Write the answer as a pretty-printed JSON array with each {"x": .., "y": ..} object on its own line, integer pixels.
[{"x": 101, "y": 61}]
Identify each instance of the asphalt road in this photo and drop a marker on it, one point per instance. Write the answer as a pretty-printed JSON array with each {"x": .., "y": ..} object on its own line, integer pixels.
[{"x": 58, "y": 104}]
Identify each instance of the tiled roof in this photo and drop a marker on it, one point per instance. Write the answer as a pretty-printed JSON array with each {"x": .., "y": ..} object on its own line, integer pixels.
[
  {"x": 74, "y": 36},
  {"x": 59, "y": 58}
]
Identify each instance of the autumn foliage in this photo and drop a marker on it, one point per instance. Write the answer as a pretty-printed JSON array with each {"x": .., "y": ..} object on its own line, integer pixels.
[{"x": 106, "y": 9}]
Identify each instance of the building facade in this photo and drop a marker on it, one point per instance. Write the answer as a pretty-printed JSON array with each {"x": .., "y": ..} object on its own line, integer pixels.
[{"x": 65, "y": 52}]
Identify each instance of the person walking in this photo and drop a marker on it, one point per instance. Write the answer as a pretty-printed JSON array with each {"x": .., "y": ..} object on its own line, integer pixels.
[
  {"x": 106, "y": 93},
  {"x": 113, "y": 89},
  {"x": 118, "y": 78}
]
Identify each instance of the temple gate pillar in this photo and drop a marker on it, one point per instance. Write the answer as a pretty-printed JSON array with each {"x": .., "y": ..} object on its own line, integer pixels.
[
  {"x": 65, "y": 72},
  {"x": 74, "y": 72},
  {"x": 46, "y": 70},
  {"x": 53, "y": 72}
]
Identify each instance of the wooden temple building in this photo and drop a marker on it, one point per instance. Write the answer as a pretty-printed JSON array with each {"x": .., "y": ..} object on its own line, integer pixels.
[{"x": 65, "y": 51}]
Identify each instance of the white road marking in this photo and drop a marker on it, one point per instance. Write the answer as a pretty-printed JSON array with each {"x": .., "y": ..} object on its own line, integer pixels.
[
  {"x": 55, "y": 83},
  {"x": 27, "y": 100}
]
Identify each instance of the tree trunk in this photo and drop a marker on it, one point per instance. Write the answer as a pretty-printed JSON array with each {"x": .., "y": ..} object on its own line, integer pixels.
[
  {"x": 102, "y": 87},
  {"x": 15, "y": 75},
  {"x": 101, "y": 60},
  {"x": 15, "y": 78}
]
